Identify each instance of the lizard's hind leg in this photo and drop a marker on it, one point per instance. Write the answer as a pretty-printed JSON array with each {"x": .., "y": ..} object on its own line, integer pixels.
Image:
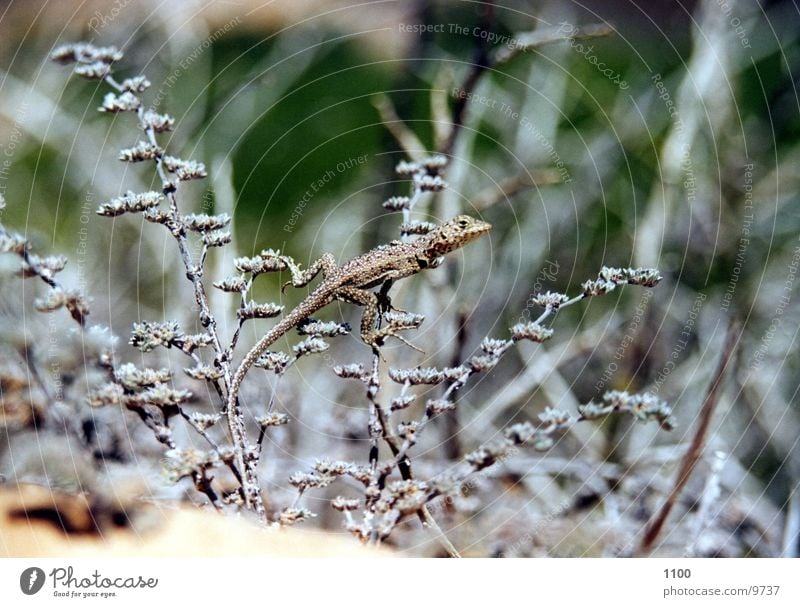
[
  {"x": 385, "y": 302},
  {"x": 371, "y": 303}
]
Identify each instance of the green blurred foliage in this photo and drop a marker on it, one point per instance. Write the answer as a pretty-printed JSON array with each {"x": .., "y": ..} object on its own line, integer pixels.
[{"x": 326, "y": 119}]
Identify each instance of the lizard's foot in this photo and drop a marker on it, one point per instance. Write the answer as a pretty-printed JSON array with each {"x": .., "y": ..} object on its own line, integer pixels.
[
  {"x": 385, "y": 305},
  {"x": 396, "y": 322},
  {"x": 376, "y": 338},
  {"x": 294, "y": 268}
]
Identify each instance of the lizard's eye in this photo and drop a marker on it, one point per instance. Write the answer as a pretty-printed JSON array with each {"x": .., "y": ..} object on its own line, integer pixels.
[{"x": 463, "y": 222}]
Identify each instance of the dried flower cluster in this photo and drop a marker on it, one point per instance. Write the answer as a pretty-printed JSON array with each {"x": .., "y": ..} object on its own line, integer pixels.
[{"x": 383, "y": 491}]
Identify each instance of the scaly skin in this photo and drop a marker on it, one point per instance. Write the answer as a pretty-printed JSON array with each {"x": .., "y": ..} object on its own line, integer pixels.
[{"x": 350, "y": 282}]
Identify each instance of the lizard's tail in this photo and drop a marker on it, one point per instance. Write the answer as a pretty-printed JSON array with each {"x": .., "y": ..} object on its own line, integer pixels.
[
  {"x": 300, "y": 313},
  {"x": 235, "y": 422},
  {"x": 252, "y": 356}
]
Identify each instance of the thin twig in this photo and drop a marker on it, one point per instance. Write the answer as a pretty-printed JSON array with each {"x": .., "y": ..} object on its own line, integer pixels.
[
  {"x": 695, "y": 452},
  {"x": 708, "y": 498},
  {"x": 442, "y": 119},
  {"x": 440, "y": 534},
  {"x": 540, "y": 37},
  {"x": 480, "y": 63},
  {"x": 510, "y": 186},
  {"x": 486, "y": 60},
  {"x": 406, "y": 139},
  {"x": 791, "y": 529},
  {"x": 451, "y": 423}
]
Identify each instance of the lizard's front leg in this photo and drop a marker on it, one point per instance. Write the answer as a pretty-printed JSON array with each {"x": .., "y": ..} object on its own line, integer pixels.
[{"x": 300, "y": 278}]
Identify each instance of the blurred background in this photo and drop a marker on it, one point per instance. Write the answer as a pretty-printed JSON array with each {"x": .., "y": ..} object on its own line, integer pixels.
[{"x": 670, "y": 142}]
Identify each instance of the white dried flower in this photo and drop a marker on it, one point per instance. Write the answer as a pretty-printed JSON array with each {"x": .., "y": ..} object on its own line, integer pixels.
[
  {"x": 310, "y": 480},
  {"x": 431, "y": 183},
  {"x": 13, "y": 243},
  {"x": 203, "y": 421},
  {"x": 435, "y": 163},
  {"x": 644, "y": 277},
  {"x": 404, "y": 320},
  {"x": 268, "y": 261},
  {"x": 148, "y": 335},
  {"x": 408, "y": 430},
  {"x": 520, "y": 433},
  {"x": 93, "y": 71},
  {"x": 160, "y": 123},
  {"x": 598, "y": 287},
  {"x": 232, "y": 284},
  {"x": 273, "y": 361},
  {"x": 532, "y": 331},
  {"x": 107, "y": 54},
  {"x": 593, "y": 410},
  {"x": 332, "y": 468},
  {"x": 290, "y": 516},
  {"x": 137, "y": 84},
  {"x": 353, "y": 371},
  {"x": 254, "y": 310},
  {"x": 555, "y": 417},
  {"x": 616, "y": 399},
  {"x": 203, "y": 372},
  {"x": 402, "y": 402},
  {"x": 493, "y": 346},
  {"x": 48, "y": 266},
  {"x": 143, "y": 150},
  {"x": 201, "y": 222},
  {"x": 130, "y": 203},
  {"x": 343, "y": 504},
  {"x": 418, "y": 228},
  {"x": 481, "y": 364},
  {"x": 55, "y": 299},
  {"x": 487, "y": 455},
  {"x": 543, "y": 443},
  {"x": 646, "y": 407},
  {"x": 181, "y": 463},
  {"x": 163, "y": 396},
  {"x": 420, "y": 375},
  {"x": 310, "y": 345},
  {"x": 319, "y": 328},
  {"x": 438, "y": 406},
  {"x": 134, "y": 378},
  {"x": 271, "y": 420},
  {"x": 85, "y": 52},
  {"x": 217, "y": 238},
  {"x": 184, "y": 169},
  {"x": 154, "y": 215},
  {"x": 550, "y": 300},
  {"x": 397, "y": 203},
  {"x": 107, "y": 394},
  {"x": 64, "y": 54},
  {"x": 125, "y": 102},
  {"x": 406, "y": 169}
]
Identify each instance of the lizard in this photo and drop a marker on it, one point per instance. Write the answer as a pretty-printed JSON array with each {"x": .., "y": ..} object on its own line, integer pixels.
[{"x": 350, "y": 283}]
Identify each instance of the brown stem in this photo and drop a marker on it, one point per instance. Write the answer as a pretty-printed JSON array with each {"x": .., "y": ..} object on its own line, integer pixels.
[
  {"x": 698, "y": 442},
  {"x": 450, "y": 422},
  {"x": 480, "y": 64}
]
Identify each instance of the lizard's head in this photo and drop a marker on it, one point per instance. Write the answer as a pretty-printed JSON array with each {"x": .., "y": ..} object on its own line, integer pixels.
[{"x": 456, "y": 233}]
